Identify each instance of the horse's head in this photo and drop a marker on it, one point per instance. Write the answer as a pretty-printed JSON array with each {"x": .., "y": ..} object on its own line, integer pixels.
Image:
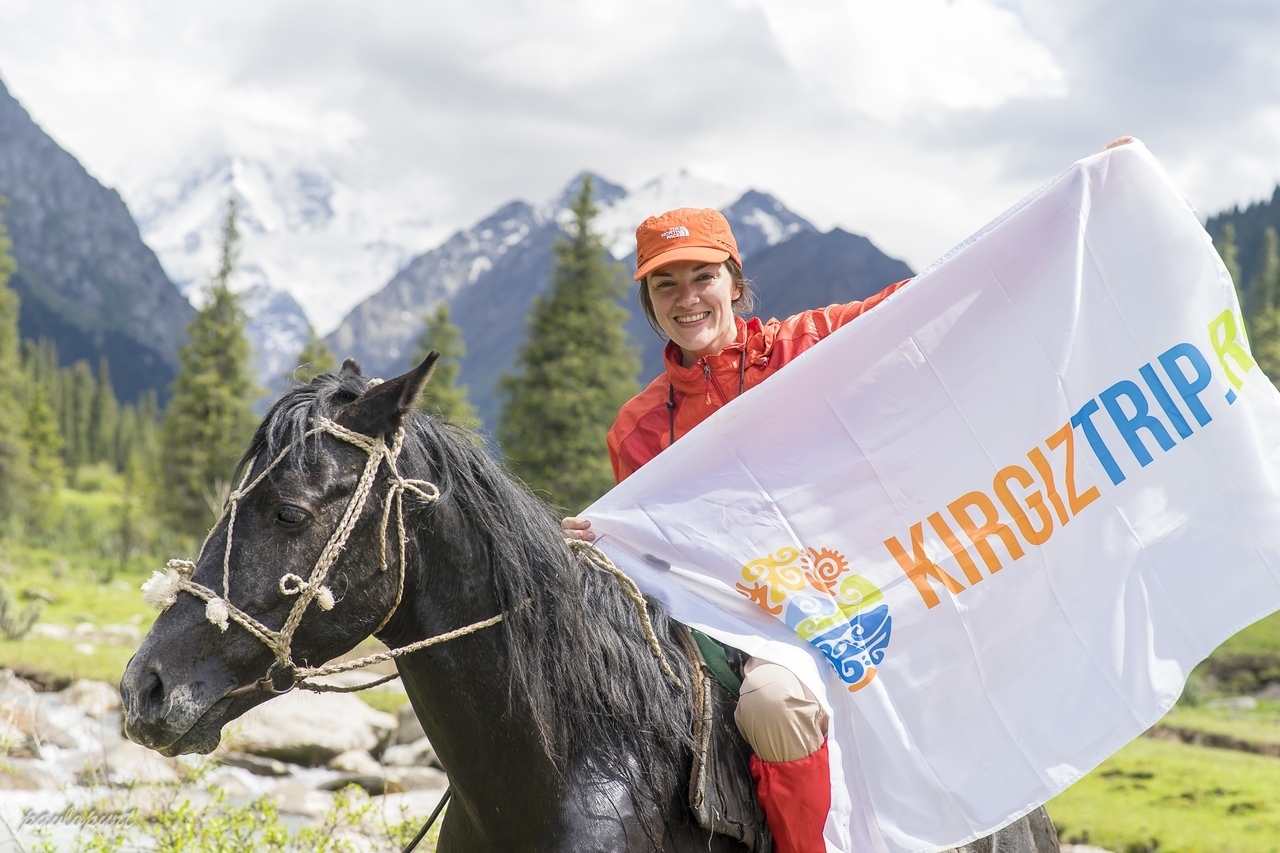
[{"x": 303, "y": 565}]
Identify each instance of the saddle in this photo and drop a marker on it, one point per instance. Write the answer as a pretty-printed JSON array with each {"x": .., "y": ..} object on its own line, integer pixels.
[{"x": 722, "y": 795}]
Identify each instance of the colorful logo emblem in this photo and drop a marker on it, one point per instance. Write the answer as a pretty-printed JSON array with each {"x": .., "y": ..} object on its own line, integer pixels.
[{"x": 815, "y": 595}]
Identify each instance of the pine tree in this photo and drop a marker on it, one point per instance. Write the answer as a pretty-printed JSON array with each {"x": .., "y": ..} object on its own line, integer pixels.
[
  {"x": 1230, "y": 254},
  {"x": 14, "y": 471},
  {"x": 209, "y": 420},
  {"x": 78, "y": 392},
  {"x": 103, "y": 411},
  {"x": 1262, "y": 310},
  {"x": 315, "y": 358},
  {"x": 44, "y": 442},
  {"x": 577, "y": 368},
  {"x": 443, "y": 396}
]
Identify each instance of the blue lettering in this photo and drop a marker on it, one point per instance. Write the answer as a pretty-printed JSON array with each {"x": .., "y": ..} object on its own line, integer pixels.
[
  {"x": 1084, "y": 420},
  {"x": 1187, "y": 387},
  {"x": 1128, "y": 425},
  {"x": 1166, "y": 402}
]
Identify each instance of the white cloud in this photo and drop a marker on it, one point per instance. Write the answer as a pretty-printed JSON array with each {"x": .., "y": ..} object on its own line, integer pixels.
[
  {"x": 898, "y": 61},
  {"x": 911, "y": 121}
]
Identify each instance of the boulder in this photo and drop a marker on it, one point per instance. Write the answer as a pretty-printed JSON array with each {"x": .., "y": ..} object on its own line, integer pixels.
[
  {"x": 416, "y": 779},
  {"x": 417, "y": 754},
  {"x": 356, "y": 761},
  {"x": 95, "y": 698},
  {"x": 409, "y": 727},
  {"x": 309, "y": 728},
  {"x": 297, "y": 799},
  {"x": 128, "y": 763}
]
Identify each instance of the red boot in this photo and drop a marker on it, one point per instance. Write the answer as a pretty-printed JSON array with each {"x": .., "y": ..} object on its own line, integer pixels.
[{"x": 795, "y": 796}]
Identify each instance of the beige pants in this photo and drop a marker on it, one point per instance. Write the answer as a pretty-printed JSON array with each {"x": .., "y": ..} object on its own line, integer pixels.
[{"x": 777, "y": 714}]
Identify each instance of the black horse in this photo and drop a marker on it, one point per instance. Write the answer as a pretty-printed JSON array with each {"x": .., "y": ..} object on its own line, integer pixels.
[{"x": 558, "y": 729}]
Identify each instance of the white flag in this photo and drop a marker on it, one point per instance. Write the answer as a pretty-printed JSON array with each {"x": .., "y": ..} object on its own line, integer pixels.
[{"x": 994, "y": 522}]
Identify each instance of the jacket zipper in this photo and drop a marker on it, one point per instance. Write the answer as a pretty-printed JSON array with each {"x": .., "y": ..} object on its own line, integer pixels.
[{"x": 711, "y": 383}]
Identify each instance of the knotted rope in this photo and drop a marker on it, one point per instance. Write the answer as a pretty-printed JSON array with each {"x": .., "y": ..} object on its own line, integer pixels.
[
  {"x": 600, "y": 560},
  {"x": 161, "y": 591}
]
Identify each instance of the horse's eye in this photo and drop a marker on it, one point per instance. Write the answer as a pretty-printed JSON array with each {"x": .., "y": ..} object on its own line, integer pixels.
[{"x": 290, "y": 516}]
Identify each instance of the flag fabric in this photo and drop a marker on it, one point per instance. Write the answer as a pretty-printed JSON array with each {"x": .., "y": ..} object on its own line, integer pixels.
[{"x": 994, "y": 522}]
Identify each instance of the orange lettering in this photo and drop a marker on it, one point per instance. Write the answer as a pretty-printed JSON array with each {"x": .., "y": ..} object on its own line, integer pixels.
[
  {"x": 990, "y": 525},
  {"x": 920, "y": 568},
  {"x": 957, "y": 550},
  {"x": 1067, "y": 436},
  {"x": 1035, "y": 503}
]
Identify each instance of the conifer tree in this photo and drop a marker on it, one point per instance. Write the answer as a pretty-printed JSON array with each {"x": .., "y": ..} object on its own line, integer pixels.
[
  {"x": 1262, "y": 313},
  {"x": 1230, "y": 254},
  {"x": 44, "y": 442},
  {"x": 78, "y": 395},
  {"x": 14, "y": 470},
  {"x": 577, "y": 368},
  {"x": 103, "y": 411},
  {"x": 209, "y": 420},
  {"x": 443, "y": 396},
  {"x": 315, "y": 358}
]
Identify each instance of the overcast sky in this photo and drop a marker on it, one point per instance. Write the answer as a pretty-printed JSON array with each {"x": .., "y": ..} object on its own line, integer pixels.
[{"x": 910, "y": 121}]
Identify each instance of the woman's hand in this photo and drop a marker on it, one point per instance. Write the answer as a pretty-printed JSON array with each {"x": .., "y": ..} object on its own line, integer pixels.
[
  {"x": 1124, "y": 140},
  {"x": 576, "y": 528}
]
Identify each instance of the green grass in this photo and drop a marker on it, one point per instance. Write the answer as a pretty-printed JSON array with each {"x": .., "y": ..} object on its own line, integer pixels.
[
  {"x": 1260, "y": 725},
  {"x": 1156, "y": 795}
]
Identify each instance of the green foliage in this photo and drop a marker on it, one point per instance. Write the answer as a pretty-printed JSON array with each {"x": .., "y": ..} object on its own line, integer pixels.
[
  {"x": 315, "y": 358},
  {"x": 44, "y": 446},
  {"x": 103, "y": 411},
  {"x": 209, "y": 420},
  {"x": 576, "y": 370},
  {"x": 14, "y": 473},
  {"x": 1230, "y": 254},
  {"x": 15, "y": 622},
  {"x": 180, "y": 826},
  {"x": 443, "y": 396},
  {"x": 1262, "y": 306}
]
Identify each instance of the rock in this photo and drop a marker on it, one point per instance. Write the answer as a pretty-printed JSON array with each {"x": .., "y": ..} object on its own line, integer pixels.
[
  {"x": 1238, "y": 703},
  {"x": 35, "y": 592},
  {"x": 1083, "y": 848},
  {"x": 95, "y": 698},
  {"x": 254, "y": 764},
  {"x": 130, "y": 763},
  {"x": 50, "y": 632},
  {"x": 309, "y": 728},
  {"x": 409, "y": 807},
  {"x": 24, "y": 774},
  {"x": 1270, "y": 693},
  {"x": 417, "y": 754},
  {"x": 356, "y": 761},
  {"x": 409, "y": 728},
  {"x": 372, "y": 783},
  {"x": 417, "y": 779},
  {"x": 231, "y": 784},
  {"x": 297, "y": 799}
]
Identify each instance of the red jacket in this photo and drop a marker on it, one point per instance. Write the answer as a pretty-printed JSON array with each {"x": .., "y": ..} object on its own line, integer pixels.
[{"x": 644, "y": 426}]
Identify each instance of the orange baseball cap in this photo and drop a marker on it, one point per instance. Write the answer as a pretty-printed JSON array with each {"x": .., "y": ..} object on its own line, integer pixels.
[{"x": 684, "y": 234}]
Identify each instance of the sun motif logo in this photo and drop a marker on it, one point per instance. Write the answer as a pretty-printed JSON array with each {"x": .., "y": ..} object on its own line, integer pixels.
[{"x": 815, "y": 595}]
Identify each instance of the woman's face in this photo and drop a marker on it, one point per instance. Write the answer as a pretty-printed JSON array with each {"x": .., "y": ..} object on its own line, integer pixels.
[{"x": 693, "y": 303}]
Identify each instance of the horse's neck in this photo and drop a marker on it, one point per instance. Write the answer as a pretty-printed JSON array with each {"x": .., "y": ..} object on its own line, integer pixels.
[{"x": 460, "y": 691}]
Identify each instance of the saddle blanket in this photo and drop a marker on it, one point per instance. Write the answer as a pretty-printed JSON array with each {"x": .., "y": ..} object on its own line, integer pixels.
[{"x": 994, "y": 522}]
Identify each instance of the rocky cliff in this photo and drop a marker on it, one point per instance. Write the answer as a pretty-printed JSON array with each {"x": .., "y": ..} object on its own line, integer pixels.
[{"x": 86, "y": 279}]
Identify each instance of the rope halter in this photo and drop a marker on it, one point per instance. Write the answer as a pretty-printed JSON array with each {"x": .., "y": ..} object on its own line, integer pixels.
[{"x": 161, "y": 591}]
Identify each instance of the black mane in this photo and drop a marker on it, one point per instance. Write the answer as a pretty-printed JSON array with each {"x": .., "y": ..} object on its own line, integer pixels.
[{"x": 578, "y": 657}]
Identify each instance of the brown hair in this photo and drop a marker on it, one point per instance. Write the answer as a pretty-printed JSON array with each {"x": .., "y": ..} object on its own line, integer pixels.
[{"x": 742, "y": 306}]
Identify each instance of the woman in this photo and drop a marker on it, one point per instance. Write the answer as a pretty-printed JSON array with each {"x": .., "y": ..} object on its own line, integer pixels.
[{"x": 692, "y": 290}]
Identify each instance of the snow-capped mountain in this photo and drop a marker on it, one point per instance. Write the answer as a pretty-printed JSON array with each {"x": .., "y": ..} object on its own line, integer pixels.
[
  {"x": 311, "y": 246},
  {"x": 490, "y": 272}
]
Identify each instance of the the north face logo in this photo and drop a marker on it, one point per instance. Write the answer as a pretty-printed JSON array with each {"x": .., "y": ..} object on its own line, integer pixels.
[{"x": 673, "y": 233}]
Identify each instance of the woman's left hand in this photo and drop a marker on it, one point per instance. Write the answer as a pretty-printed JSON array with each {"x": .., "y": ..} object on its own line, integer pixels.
[{"x": 576, "y": 528}]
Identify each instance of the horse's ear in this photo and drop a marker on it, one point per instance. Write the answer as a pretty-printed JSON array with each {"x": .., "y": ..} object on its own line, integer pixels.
[{"x": 381, "y": 409}]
